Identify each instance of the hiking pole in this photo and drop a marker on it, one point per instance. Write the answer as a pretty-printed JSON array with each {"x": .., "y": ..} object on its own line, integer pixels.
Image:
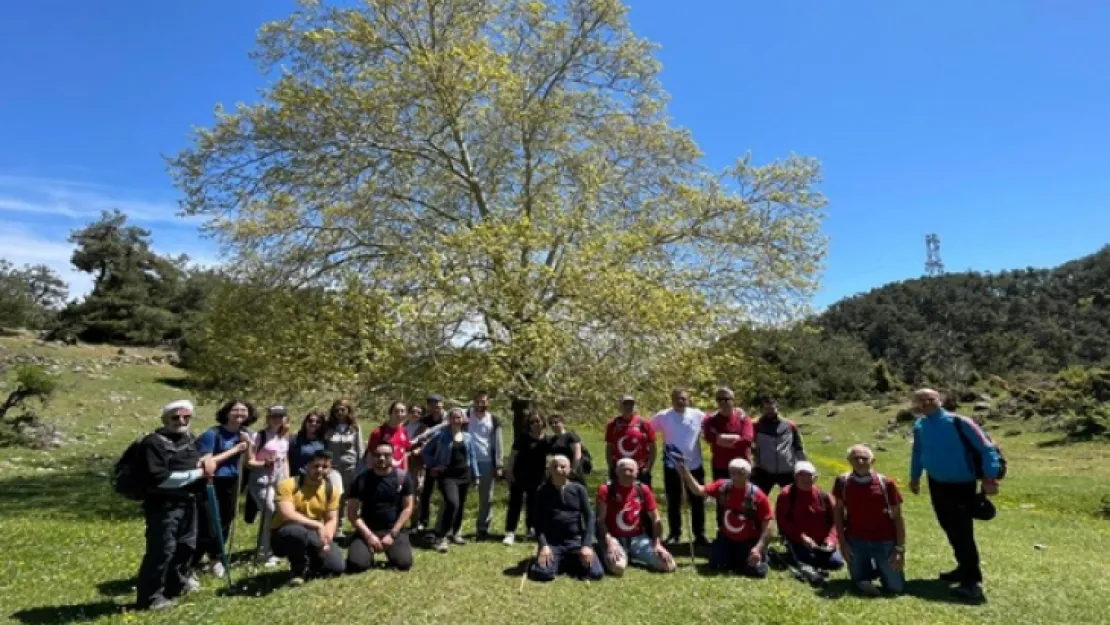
[
  {"x": 217, "y": 531},
  {"x": 524, "y": 577},
  {"x": 235, "y": 506},
  {"x": 687, "y": 521}
]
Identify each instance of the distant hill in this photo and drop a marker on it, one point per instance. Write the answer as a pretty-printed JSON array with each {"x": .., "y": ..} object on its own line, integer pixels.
[{"x": 1032, "y": 320}]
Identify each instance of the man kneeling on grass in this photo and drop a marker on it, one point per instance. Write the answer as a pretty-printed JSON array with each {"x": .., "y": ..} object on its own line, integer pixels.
[
  {"x": 379, "y": 506},
  {"x": 306, "y": 520},
  {"x": 629, "y": 525},
  {"x": 870, "y": 525},
  {"x": 741, "y": 543},
  {"x": 806, "y": 520},
  {"x": 564, "y": 527}
]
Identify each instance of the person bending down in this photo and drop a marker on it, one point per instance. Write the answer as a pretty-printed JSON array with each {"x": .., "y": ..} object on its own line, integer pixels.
[
  {"x": 306, "y": 520},
  {"x": 741, "y": 543},
  {"x": 379, "y": 507},
  {"x": 564, "y": 528},
  {"x": 629, "y": 526}
]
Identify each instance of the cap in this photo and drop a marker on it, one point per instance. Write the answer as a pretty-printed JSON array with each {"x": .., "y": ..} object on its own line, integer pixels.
[
  {"x": 174, "y": 406},
  {"x": 277, "y": 411},
  {"x": 435, "y": 399},
  {"x": 628, "y": 399},
  {"x": 805, "y": 467}
]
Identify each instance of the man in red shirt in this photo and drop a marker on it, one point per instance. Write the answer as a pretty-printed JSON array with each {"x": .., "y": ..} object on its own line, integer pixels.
[
  {"x": 869, "y": 521},
  {"x": 628, "y": 524},
  {"x": 630, "y": 436},
  {"x": 392, "y": 433},
  {"x": 730, "y": 434},
  {"x": 805, "y": 517},
  {"x": 741, "y": 543}
]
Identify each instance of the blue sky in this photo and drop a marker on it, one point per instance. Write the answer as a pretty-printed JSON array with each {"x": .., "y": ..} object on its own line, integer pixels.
[{"x": 983, "y": 121}]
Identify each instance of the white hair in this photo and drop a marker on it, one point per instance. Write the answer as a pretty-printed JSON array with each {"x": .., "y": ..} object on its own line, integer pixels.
[
  {"x": 628, "y": 461},
  {"x": 172, "y": 407},
  {"x": 459, "y": 411},
  {"x": 739, "y": 464},
  {"x": 556, "y": 459},
  {"x": 861, "y": 447}
]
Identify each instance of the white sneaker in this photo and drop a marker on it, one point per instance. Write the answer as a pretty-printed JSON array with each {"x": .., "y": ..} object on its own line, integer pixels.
[
  {"x": 441, "y": 546},
  {"x": 191, "y": 585},
  {"x": 218, "y": 570},
  {"x": 509, "y": 539},
  {"x": 272, "y": 562}
]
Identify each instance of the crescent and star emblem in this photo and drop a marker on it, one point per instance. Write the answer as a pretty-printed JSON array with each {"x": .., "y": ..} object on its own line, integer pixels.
[
  {"x": 630, "y": 510},
  {"x": 625, "y": 452},
  {"x": 727, "y": 521}
]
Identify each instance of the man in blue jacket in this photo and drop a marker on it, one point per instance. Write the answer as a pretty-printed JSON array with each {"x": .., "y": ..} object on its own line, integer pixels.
[{"x": 939, "y": 450}]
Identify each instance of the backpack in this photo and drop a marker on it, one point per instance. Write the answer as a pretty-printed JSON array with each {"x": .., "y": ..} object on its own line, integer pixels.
[
  {"x": 329, "y": 490},
  {"x": 586, "y": 466},
  {"x": 646, "y": 523},
  {"x": 130, "y": 477},
  {"x": 826, "y": 501},
  {"x": 974, "y": 457},
  {"x": 747, "y": 508},
  {"x": 883, "y": 483}
]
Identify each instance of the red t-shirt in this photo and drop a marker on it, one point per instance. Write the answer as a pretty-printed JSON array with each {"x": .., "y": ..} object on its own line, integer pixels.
[
  {"x": 812, "y": 515},
  {"x": 631, "y": 439},
  {"x": 623, "y": 509},
  {"x": 738, "y": 522},
  {"x": 397, "y": 437},
  {"x": 736, "y": 423},
  {"x": 867, "y": 517}
]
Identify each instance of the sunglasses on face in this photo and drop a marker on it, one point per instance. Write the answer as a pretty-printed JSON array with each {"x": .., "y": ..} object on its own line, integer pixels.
[{"x": 181, "y": 417}]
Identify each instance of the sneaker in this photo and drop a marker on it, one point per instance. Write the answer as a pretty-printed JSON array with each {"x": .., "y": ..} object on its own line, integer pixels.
[
  {"x": 458, "y": 539},
  {"x": 191, "y": 585},
  {"x": 701, "y": 541},
  {"x": 272, "y": 562},
  {"x": 531, "y": 534},
  {"x": 509, "y": 539},
  {"x": 969, "y": 592},
  {"x": 161, "y": 603},
  {"x": 952, "y": 577},
  {"x": 441, "y": 546},
  {"x": 481, "y": 537},
  {"x": 218, "y": 570},
  {"x": 672, "y": 540},
  {"x": 296, "y": 582},
  {"x": 419, "y": 528},
  {"x": 868, "y": 589}
]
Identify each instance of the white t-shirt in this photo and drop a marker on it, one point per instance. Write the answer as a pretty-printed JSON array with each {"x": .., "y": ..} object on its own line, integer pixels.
[
  {"x": 683, "y": 430},
  {"x": 481, "y": 430}
]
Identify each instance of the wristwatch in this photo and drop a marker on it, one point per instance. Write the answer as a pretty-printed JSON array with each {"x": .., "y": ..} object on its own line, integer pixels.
[{"x": 900, "y": 548}]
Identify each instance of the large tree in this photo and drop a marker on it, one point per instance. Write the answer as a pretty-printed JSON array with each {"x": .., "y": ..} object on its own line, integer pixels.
[
  {"x": 29, "y": 297},
  {"x": 502, "y": 176}
]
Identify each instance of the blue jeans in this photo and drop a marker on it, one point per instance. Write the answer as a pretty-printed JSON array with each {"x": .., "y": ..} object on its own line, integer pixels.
[
  {"x": 730, "y": 555},
  {"x": 872, "y": 556},
  {"x": 826, "y": 560},
  {"x": 564, "y": 559},
  {"x": 639, "y": 549}
]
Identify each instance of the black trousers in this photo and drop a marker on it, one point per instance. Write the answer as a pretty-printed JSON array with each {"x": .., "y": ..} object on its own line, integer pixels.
[
  {"x": 360, "y": 557},
  {"x": 672, "y": 484},
  {"x": 171, "y": 540},
  {"x": 454, "y": 502},
  {"x": 952, "y": 504},
  {"x": 522, "y": 495},
  {"x": 720, "y": 474},
  {"x": 765, "y": 481},
  {"x": 430, "y": 484},
  {"x": 227, "y": 499},
  {"x": 301, "y": 546}
]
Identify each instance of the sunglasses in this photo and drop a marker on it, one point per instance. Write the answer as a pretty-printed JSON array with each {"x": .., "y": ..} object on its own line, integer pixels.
[{"x": 181, "y": 417}]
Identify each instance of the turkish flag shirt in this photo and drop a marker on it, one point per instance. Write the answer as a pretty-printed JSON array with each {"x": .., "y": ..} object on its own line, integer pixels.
[
  {"x": 397, "y": 437},
  {"x": 623, "y": 508},
  {"x": 737, "y": 523},
  {"x": 631, "y": 438}
]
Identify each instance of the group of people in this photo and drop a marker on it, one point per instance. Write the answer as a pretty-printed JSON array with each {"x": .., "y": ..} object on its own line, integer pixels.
[{"x": 301, "y": 484}]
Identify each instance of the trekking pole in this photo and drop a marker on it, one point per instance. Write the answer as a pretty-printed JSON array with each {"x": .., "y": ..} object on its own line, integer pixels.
[
  {"x": 235, "y": 506},
  {"x": 524, "y": 577},
  {"x": 687, "y": 521},
  {"x": 217, "y": 531}
]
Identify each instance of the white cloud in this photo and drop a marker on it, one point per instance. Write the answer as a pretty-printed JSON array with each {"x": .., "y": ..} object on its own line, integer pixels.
[
  {"x": 22, "y": 247},
  {"x": 82, "y": 200}
]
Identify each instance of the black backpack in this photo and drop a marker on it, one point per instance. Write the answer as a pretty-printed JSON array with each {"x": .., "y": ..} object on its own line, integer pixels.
[
  {"x": 130, "y": 477},
  {"x": 973, "y": 455},
  {"x": 586, "y": 466}
]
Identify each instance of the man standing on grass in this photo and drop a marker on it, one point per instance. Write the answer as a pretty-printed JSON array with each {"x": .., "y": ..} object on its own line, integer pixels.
[
  {"x": 730, "y": 434},
  {"x": 869, "y": 523},
  {"x": 306, "y": 520},
  {"x": 432, "y": 423},
  {"x": 378, "y": 507},
  {"x": 564, "y": 528},
  {"x": 630, "y": 436},
  {"x": 945, "y": 446},
  {"x": 778, "y": 447},
  {"x": 485, "y": 429},
  {"x": 681, "y": 427},
  {"x": 174, "y": 473},
  {"x": 746, "y": 519}
]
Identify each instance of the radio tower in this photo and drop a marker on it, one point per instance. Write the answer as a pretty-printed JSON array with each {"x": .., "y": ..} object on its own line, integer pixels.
[{"x": 933, "y": 265}]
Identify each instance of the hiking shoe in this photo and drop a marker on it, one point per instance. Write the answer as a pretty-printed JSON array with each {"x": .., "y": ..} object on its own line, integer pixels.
[
  {"x": 458, "y": 539},
  {"x": 482, "y": 537},
  {"x": 272, "y": 562},
  {"x": 296, "y": 582},
  {"x": 191, "y": 585},
  {"x": 509, "y": 539},
  {"x": 701, "y": 541},
  {"x": 442, "y": 546},
  {"x": 969, "y": 592},
  {"x": 161, "y": 603},
  {"x": 867, "y": 589},
  {"x": 672, "y": 540},
  {"x": 218, "y": 570},
  {"x": 952, "y": 577}
]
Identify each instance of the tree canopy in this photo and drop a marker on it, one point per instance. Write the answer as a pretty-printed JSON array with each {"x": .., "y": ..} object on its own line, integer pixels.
[
  {"x": 30, "y": 297},
  {"x": 501, "y": 178}
]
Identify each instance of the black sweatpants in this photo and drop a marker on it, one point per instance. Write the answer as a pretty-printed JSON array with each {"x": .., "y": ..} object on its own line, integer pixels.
[
  {"x": 360, "y": 557},
  {"x": 171, "y": 540},
  {"x": 522, "y": 495},
  {"x": 431, "y": 483},
  {"x": 952, "y": 504},
  {"x": 454, "y": 503},
  {"x": 765, "y": 481},
  {"x": 672, "y": 484},
  {"x": 227, "y": 499},
  {"x": 301, "y": 546}
]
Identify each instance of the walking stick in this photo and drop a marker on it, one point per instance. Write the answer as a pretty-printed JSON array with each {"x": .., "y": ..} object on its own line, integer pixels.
[
  {"x": 235, "y": 507},
  {"x": 687, "y": 521},
  {"x": 524, "y": 577},
  {"x": 217, "y": 531}
]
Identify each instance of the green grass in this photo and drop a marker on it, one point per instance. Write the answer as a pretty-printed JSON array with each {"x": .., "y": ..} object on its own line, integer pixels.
[{"x": 71, "y": 549}]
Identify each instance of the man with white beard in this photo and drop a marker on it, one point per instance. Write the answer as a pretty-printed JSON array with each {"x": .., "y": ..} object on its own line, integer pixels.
[{"x": 629, "y": 527}]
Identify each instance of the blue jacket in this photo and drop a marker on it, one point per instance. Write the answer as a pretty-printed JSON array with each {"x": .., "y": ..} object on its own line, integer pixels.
[
  {"x": 938, "y": 450},
  {"x": 437, "y": 453}
]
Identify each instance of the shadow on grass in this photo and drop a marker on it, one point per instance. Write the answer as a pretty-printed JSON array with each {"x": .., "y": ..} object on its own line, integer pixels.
[
  {"x": 118, "y": 587},
  {"x": 76, "y": 495},
  {"x": 183, "y": 384},
  {"x": 76, "y": 613},
  {"x": 518, "y": 569},
  {"x": 256, "y": 586},
  {"x": 933, "y": 590}
]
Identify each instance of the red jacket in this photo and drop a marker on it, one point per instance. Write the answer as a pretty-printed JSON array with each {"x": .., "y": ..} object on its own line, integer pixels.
[{"x": 736, "y": 423}]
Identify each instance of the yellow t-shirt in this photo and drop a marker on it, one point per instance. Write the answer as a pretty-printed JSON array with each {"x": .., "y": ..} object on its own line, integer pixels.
[{"x": 307, "y": 500}]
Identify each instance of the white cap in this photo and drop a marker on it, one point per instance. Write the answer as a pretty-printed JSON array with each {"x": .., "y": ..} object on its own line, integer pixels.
[
  {"x": 740, "y": 464},
  {"x": 174, "y": 406},
  {"x": 805, "y": 467}
]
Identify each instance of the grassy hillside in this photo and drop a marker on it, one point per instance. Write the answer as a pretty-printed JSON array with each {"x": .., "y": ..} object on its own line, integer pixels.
[{"x": 71, "y": 549}]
